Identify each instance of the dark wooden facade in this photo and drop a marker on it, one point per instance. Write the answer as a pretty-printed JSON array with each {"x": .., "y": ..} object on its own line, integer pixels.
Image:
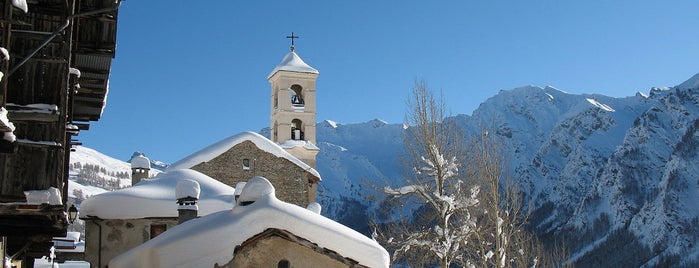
[{"x": 49, "y": 103}]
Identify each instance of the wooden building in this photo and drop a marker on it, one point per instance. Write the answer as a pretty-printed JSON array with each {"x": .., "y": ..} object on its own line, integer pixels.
[{"x": 55, "y": 82}]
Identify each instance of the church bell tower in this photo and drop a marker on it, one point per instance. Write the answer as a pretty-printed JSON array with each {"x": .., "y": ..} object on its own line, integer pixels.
[{"x": 293, "y": 106}]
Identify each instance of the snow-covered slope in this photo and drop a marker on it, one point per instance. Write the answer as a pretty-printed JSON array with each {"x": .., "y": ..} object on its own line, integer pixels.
[
  {"x": 360, "y": 159},
  {"x": 92, "y": 172},
  {"x": 607, "y": 172},
  {"x": 85, "y": 155}
]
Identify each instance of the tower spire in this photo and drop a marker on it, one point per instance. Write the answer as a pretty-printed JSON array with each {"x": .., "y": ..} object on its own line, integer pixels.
[{"x": 292, "y": 37}]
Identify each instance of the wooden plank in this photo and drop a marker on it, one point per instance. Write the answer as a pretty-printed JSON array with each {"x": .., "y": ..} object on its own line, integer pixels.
[
  {"x": 92, "y": 90},
  {"x": 35, "y": 117}
]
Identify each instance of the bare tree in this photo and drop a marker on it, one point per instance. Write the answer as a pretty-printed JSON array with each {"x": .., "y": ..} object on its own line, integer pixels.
[
  {"x": 501, "y": 239},
  {"x": 434, "y": 149}
]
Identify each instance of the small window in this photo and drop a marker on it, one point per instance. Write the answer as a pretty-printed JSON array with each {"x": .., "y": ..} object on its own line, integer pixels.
[
  {"x": 157, "y": 229},
  {"x": 246, "y": 164},
  {"x": 283, "y": 264}
]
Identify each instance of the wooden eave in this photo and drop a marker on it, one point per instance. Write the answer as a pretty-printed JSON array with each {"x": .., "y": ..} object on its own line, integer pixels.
[
  {"x": 25, "y": 220},
  {"x": 94, "y": 49}
]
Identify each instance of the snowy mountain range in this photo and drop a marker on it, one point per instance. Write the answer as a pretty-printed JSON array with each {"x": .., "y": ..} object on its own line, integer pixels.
[{"x": 617, "y": 179}]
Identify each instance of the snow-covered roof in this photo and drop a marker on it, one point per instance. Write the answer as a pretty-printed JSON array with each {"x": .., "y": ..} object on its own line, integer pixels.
[
  {"x": 212, "y": 239},
  {"x": 288, "y": 144},
  {"x": 216, "y": 149},
  {"x": 156, "y": 198},
  {"x": 293, "y": 63},
  {"x": 140, "y": 161}
]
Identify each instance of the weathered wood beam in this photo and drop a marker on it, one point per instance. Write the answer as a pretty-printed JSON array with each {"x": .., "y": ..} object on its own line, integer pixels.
[
  {"x": 91, "y": 90},
  {"x": 82, "y": 126},
  {"x": 89, "y": 80},
  {"x": 31, "y": 116},
  {"x": 48, "y": 60},
  {"x": 85, "y": 70},
  {"x": 88, "y": 103}
]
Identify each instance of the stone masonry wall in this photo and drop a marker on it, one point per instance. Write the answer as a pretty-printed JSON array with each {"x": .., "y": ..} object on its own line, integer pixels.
[
  {"x": 290, "y": 180},
  {"x": 269, "y": 251},
  {"x": 118, "y": 236}
]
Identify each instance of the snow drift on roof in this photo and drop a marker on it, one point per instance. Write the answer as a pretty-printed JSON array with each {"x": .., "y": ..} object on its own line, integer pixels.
[
  {"x": 293, "y": 63},
  {"x": 156, "y": 198},
  {"x": 288, "y": 144},
  {"x": 140, "y": 161},
  {"x": 216, "y": 149},
  {"x": 6, "y": 127},
  {"x": 187, "y": 188},
  {"x": 212, "y": 239}
]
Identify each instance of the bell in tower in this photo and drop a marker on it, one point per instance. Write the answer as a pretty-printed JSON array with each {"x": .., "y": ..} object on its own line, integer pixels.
[{"x": 293, "y": 107}]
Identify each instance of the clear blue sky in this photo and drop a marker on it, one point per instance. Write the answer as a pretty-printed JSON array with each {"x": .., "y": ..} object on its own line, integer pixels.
[{"x": 190, "y": 73}]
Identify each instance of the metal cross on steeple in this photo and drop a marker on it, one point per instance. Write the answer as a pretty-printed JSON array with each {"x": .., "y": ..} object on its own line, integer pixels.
[{"x": 292, "y": 36}]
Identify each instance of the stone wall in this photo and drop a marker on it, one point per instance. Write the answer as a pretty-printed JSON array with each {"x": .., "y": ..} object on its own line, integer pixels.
[
  {"x": 291, "y": 181},
  {"x": 269, "y": 251},
  {"x": 117, "y": 236}
]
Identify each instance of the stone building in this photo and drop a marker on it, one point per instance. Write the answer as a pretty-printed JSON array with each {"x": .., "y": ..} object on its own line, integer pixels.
[
  {"x": 245, "y": 155},
  {"x": 120, "y": 220},
  {"x": 261, "y": 231}
]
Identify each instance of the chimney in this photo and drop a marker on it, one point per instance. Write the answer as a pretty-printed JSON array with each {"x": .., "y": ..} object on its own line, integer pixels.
[
  {"x": 140, "y": 168},
  {"x": 238, "y": 189},
  {"x": 187, "y": 194}
]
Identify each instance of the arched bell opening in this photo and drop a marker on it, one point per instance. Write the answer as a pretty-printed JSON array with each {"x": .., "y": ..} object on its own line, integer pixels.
[
  {"x": 297, "y": 96},
  {"x": 297, "y": 129}
]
